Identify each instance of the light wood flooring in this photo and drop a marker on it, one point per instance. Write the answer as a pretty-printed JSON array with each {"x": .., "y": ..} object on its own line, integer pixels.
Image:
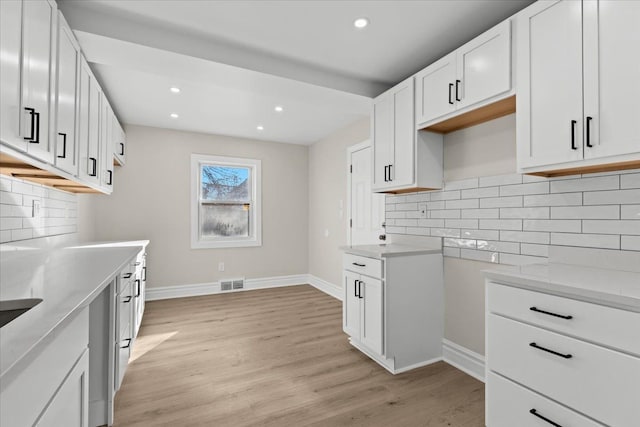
[{"x": 277, "y": 357}]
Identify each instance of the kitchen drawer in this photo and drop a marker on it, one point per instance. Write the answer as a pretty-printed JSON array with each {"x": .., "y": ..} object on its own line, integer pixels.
[
  {"x": 602, "y": 325},
  {"x": 509, "y": 405},
  {"x": 125, "y": 310},
  {"x": 126, "y": 276},
  {"x": 601, "y": 383},
  {"x": 363, "y": 265}
]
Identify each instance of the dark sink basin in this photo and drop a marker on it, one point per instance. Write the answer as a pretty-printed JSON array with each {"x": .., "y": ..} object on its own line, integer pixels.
[{"x": 12, "y": 309}]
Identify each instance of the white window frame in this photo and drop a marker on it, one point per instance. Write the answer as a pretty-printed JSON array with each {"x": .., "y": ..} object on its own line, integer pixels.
[{"x": 255, "y": 227}]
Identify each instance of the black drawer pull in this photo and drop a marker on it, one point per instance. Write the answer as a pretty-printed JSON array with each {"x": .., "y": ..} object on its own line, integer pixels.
[
  {"x": 457, "y": 90},
  {"x": 537, "y": 310},
  {"x": 127, "y": 299},
  {"x": 64, "y": 145},
  {"x": 138, "y": 290},
  {"x": 127, "y": 275},
  {"x": 360, "y": 283},
  {"x": 355, "y": 288},
  {"x": 565, "y": 356},
  {"x": 588, "y": 132},
  {"x": 357, "y": 264},
  {"x": 144, "y": 273},
  {"x": 534, "y": 412},
  {"x": 128, "y": 340},
  {"x": 110, "y": 182},
  {"x": 573, "y": 135},
  {"x": 32, "y": 113},
  {"x": 450, "y": 89},
  {"x": 94, "y": 166},
  {"x": 121, "y": 148}
]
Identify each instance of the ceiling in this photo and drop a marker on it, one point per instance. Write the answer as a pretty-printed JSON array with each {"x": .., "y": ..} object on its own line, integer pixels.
[{"x": 234, "y": 61}]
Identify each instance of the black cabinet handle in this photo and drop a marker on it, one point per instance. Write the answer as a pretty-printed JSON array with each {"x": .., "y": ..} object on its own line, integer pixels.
[
  {"x": 122, "y": 148},
  {"x": 450, "y": 88},
  {"x": 33, "y": 121},
  {"x": 110, "y": 177},
  {"x": 127, "y": 275},
  {"x": 144, "y": 273},
  {"x": 565, "y": 356},
  {"x": 390, "y": 179},
  {"x": 128, "y": 340},
  {"x": 573, "y": 135},
  {"x": 64, "y": 145},
  {"x": 360, "y": 283},
  {"x": 94, "y": 170},
  {"x": 458, "y": 90},
  {"x": 537, "y": 310},
  {"x": 355, "y": 288},
  {"x": 37, "y": 132},
  {"x": 385, "y": 173},
  {"x": 534, "y": 412},
  {"x": 136, "y": 264},
  {"x": 357, "y": 264},
  {"x": 138, "y": 288},
  {"x": 589, "y": 131},
  {"x": 127, "y": 299}
]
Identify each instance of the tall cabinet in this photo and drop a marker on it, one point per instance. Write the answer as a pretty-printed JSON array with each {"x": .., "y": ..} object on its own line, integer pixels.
[{"x": 578, "y": 89}]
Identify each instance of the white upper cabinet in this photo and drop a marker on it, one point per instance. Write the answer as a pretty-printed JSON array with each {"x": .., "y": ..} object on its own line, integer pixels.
[
  {"x": 578, "y": 90},
  {"x": 66, "y": 98},
  {"x": 106, "y": 141},
  {"x": 119, "y": 143},
  {"x": 403, "y": 160},
  {"x": 11, "y": 40},
  {"x": 88, "y": 138},
  {"x": 476, "y": 72}
]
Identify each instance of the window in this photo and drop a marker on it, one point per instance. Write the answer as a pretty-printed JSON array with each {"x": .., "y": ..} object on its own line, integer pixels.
[{"x": 225, "y": 202}]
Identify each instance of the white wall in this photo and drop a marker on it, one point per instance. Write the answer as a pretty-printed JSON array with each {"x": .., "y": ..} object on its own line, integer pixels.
[
  {"x": 151, "y": 201},
  {"x": 327, "y": 190}
]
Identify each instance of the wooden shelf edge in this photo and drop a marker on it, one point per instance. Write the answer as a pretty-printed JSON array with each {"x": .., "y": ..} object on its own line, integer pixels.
[
  {"x": 610, "y": 167},
  {"x": 476, "y": 116},
  {"x": 409, "y": 190}
]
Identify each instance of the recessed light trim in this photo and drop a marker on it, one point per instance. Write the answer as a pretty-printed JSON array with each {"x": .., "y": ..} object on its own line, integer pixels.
[
  {"x": 174, "y": 115},
  {"x": 260, "y": 127},
  {"x": 174, "y": 89},
  {"x": 279, "y": 109},
  {"x": 360, "y": 23}
]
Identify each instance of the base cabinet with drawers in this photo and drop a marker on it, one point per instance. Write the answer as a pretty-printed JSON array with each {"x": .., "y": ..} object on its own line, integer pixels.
[
  {"x": 392, "y": 308},
  {"x": 559, "y": 361}
]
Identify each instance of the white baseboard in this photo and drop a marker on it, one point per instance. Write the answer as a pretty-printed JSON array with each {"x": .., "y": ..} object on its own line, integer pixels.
[
  {"x": 464, "y": 359},
  {"x": 182, "y": 291},
  {"x": 326, "y": 287}
]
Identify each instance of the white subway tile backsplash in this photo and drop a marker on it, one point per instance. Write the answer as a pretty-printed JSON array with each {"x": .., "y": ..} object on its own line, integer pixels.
[
  {"x": 603, "y": 241},
  {"x": 462, "y": 204},
  {"x": 5, "y": 184},
  {"x": 22, "y": 234},
  {"x": 7, "y": 198},
  {"x": 436, "y": 205},
  {"x": 459, "y": 243},
  {"x": 445, "y": 195},
  {"x": 450, "y": 213},
  {"x": 480, "y": 234},
  {"x": 461, "y": 223},
  {"x": 502, "y": 202},
  {"x": 391, "y": 229},
  {"x": 565, "y": 199},
  {"x": 521, "y": 259},
  {"x": 406, "y": 222},
  {"x": 613, "y": 197},
  {"x": 396, "y": 214},
  {"x": 407, "y": 206},
  {"x": 525, "y": 236},
  {"x": 501, "y": 224},
  {"x": 477, "y": 193},
  {"x": 445, "y": 232},
  {"x": 451, "y": 252},
  {"x": 486, "y": 256},
  {"x": 480, "y": 213},
  {"x": 561, "y": 225},
  {"x": 534, "y": 250},
  {"x": 524, "y": 189},
  {"x": 630, "y": 243},
  {"x": 611, "y": 226},
  {"x": 10, "y": 223},
  {"x": 611, "y": 182},
  {"x": 433, "y": 223},
  {"x": 630, "y": 180},
  {"x": 586, "y": 212},
  {"x": 537, "y": 212},
  {"x": 498, "y": 246},
  {"x": 418, "y": 231},
  {"x": 630, "y": 212}
]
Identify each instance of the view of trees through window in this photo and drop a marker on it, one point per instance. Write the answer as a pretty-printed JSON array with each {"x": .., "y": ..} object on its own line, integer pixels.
[{"x": 225, "y": 205}]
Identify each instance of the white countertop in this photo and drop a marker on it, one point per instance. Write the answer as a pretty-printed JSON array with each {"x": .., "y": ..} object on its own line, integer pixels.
[
  {"x": 389, "y": 250},
  {"x": 615, "y": 288},
  {"x": 67, "y": 280}
]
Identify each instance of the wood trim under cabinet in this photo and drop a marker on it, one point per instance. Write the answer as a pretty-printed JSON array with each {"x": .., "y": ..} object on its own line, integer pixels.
[
  {"x": 610, "y": 167},
  {"x": 476, "y": 116}
]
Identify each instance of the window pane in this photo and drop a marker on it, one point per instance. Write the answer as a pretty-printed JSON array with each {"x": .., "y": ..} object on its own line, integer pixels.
[
  {"x": 229, "y": 220},
  {"x": 225, "y": 183}
]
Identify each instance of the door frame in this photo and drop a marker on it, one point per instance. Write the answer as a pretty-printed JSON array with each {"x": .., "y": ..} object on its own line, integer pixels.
[{"x": 350, "y": 150}]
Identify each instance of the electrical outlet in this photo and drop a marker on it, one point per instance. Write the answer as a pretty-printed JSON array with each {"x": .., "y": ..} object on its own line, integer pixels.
[
  {"x": 35, "y": 212},
  {"x": 422, "y": 210},
  {"x": 221, "y": 266}
]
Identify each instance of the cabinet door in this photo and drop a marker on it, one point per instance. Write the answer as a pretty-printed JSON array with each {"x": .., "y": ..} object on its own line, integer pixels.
[
  {"x": 383, "y": 135},
  {"x": 351, "y": 305},
  {"x": 484, "y": 66},
  {"x": 87, "y": 145},
  {"x": 549, "y": 101},
  {"x": 402, "y": 168},
  {"x": 38, "y": 19},
  {"x": 11, "y": 46},
  {"x": 67, "y": 74},
  {"x": 611, "y": 77},
  {"x": 106, "y": 141},
  {"x": 372, "y": 313},
  {"x": 70, "y": 405},
  {"x": 119, "y": 143},
  {"x": 435, "y": 89}
]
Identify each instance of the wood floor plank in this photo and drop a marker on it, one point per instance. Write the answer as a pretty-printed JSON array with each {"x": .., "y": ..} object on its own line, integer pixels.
[{"x": 277, "y": 357}]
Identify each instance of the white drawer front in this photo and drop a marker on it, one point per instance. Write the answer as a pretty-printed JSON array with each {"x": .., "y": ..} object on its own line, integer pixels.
[
  {"x": 509, "y": 405},
  {"x": 596, "y": 381},
  {"x": 363, "y": 265},
  {"x": 602, "y": 325}
]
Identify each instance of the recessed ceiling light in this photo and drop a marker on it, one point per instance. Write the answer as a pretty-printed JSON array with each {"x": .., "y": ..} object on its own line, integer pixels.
[
  {"x": 260, "y": 127},
  {"x": 279, "y": 108},
  {"x": 175, "y": 89},
  {"x": 174, "y": 116},
  {"x": 361, "y": 22}
]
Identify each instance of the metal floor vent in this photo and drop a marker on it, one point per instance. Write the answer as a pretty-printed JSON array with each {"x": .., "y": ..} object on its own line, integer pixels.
[{"x": 231, "y": 284}]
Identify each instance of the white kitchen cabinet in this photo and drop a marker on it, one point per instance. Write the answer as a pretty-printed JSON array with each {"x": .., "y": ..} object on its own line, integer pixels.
[
  {"x": 68, "y": 56},
  {"x": 69, "y": 406},
  {"x": 88, "y": 125},
  {"x": 119, "y": 143},
  {"x": 106, "y": 144},
  {"x": 476, "y": 72},
  {"x": 123, "y": 327},
  {"x": 392, "y": 306},
  {"x": 139, "y": 291},
  {"x": 404, "y": 160},
  {"x": 578, "y": 92},
  {"x": 548, "y": 352}
]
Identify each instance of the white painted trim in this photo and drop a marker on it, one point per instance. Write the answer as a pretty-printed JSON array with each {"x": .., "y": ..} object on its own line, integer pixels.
[
  {"x": 417, "y": 365},
  {"x": 326, "y": 287},
  {"x": 464, "y": 359},
  {"x": 198, "y": 289}
]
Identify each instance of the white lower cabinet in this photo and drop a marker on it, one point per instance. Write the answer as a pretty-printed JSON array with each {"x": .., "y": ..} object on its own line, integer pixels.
[
  {"x": 392, "y": 308},
  {"x": 124, "y": 330},
  {"x": 540, "y": 348}
]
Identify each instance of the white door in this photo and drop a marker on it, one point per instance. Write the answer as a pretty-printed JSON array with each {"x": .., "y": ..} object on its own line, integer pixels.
[
  {"x": 549, "y": 101},
  {"x": 383, "y": 135},
  {"x": 402, "y": 169},
  {"x": 436, "y": 89},
  {"x": 484, "y": 66},
  {"x": 371, "y": 320},
  {"x": 612, "y": 77},
  {"x": 351, "y": 305},
  {"x": 367, "y": 207}
]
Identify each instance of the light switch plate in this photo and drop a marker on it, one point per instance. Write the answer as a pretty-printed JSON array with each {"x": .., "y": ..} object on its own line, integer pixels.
[{"x": 35, "y": 212}]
